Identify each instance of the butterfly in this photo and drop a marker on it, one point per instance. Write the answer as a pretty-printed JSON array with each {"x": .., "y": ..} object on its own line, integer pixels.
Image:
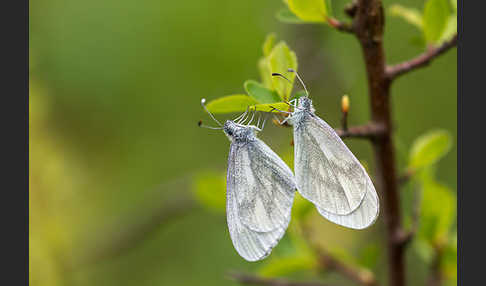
[
  {"x": 260, "y": 189},
  {"x": 326, "y": 171}
]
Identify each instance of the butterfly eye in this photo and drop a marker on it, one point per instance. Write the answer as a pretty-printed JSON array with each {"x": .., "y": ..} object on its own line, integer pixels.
[{"x": 229, "y": 132}]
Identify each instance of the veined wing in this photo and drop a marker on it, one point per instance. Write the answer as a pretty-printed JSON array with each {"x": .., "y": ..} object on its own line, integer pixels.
[
  {"x": 262, "y": 184},
  {"x": 251, "y": 245},
  {"x": 364, "y": 216},
  {"x": 326, "y": 172}
]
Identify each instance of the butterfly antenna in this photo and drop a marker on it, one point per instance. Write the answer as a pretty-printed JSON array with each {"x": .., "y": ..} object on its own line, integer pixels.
[
  {"x": 300, "y": 80},
  {"x": 282, "y": 76},
  {"x": 200, "y": 124},
  {"x": 203, "y": 101}
]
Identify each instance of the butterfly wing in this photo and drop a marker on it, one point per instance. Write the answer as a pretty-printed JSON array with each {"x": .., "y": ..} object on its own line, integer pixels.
[
  {"x": 362, "y": 217},
  {"x": 326, "y": 171},
  {"x": 264, "y": 186},
  {"x": 251, "y": 245},
  {"x": 260, "y": 192}
]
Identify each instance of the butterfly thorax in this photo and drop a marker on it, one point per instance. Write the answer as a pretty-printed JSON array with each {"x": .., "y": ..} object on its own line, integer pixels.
[
  {"x": 305, "y": 104},
  {"x": 238, "y": 133},
  {"x": 303, "y": 111}
]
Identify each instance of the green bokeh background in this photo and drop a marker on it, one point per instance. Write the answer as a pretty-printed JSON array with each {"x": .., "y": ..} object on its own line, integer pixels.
[{"x": 115, "y": 88}]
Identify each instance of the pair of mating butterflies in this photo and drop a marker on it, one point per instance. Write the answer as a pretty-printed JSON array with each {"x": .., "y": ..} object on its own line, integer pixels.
[{"x": 260, "y": 187}]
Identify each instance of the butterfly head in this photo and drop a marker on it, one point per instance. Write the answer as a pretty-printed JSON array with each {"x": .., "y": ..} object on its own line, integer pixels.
[
  {"x": 238, "y": 132},
  {"x": 305, "y": 103}
]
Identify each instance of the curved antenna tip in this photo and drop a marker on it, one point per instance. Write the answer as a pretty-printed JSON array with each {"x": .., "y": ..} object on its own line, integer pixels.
[{"x": 203, "y": 100}]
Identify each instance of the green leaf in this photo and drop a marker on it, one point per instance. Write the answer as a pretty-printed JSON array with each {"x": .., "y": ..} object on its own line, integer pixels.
[
  {"x": 424, "y": 250},
  {"x": 418, "y": 41},
  {"x": 429, "y": 148},
  {"x": 309, "y": 10},
  {"x": 450, "y": 30},
  {"x": 281, "y": 59},
  {"x": 438, "y": 209},
  {"x": 231, "y": 103},
  {"x": 454, "y": 5},
  {"x": 265, "y": 72},
  {"x": 267, "y": 107},
  {"x": 436, "y": 15},
  {"x": 449, "y": 259},
  {"x": 260, "y": 93},
  {"x": 269, "y": 43},
  {"x": 412, "y": 16},
  {"x": 210, "y": 190},
  {"x": 286, "y": 16},
  {"x": 270, "y": 107}
]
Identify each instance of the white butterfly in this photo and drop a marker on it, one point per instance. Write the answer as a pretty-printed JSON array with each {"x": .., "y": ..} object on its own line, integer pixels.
[
  {"x": 260, "y": 190},
  {"x": 326, "y": 171}
]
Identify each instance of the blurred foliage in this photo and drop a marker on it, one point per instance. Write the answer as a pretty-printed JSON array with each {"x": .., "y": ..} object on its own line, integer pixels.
[
  {"x": 210, "y": 190},
  {"x": 436, "y": 231},
  {"x": 269, "y": 94},
  {"x": 114, "y": 99},
  {"x": 309, "y": 10},
  {"x": 438, "y": 22},
  {"x": 429, "y": 148},
  {"x": 305, "y": 11}
]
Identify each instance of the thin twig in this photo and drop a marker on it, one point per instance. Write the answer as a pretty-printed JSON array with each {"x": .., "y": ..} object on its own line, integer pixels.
[
  {"x": 422, "y": 60},
  {"x": 256, "y": 280},
  {"x": 367, "y": 131},
  {"x": 328, "y": 262},
  {"x": 344, "y": 122},
  {"x": 405, "y": 177},
  {"x": 340, "y": 26},
  {"x": 361, "y": 276}
]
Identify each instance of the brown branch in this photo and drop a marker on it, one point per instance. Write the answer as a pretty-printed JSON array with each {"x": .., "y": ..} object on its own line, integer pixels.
[
  {"x": 422, "y": 60},
  {"x": 256, "y": 280},
  {"x": 340, "y": 26},
  {"x": 351, "y": 8},
  {"x": 368, "y": 23},
  {"x": 361, "y": 276},
  {"x": 367, "y": 131}
]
